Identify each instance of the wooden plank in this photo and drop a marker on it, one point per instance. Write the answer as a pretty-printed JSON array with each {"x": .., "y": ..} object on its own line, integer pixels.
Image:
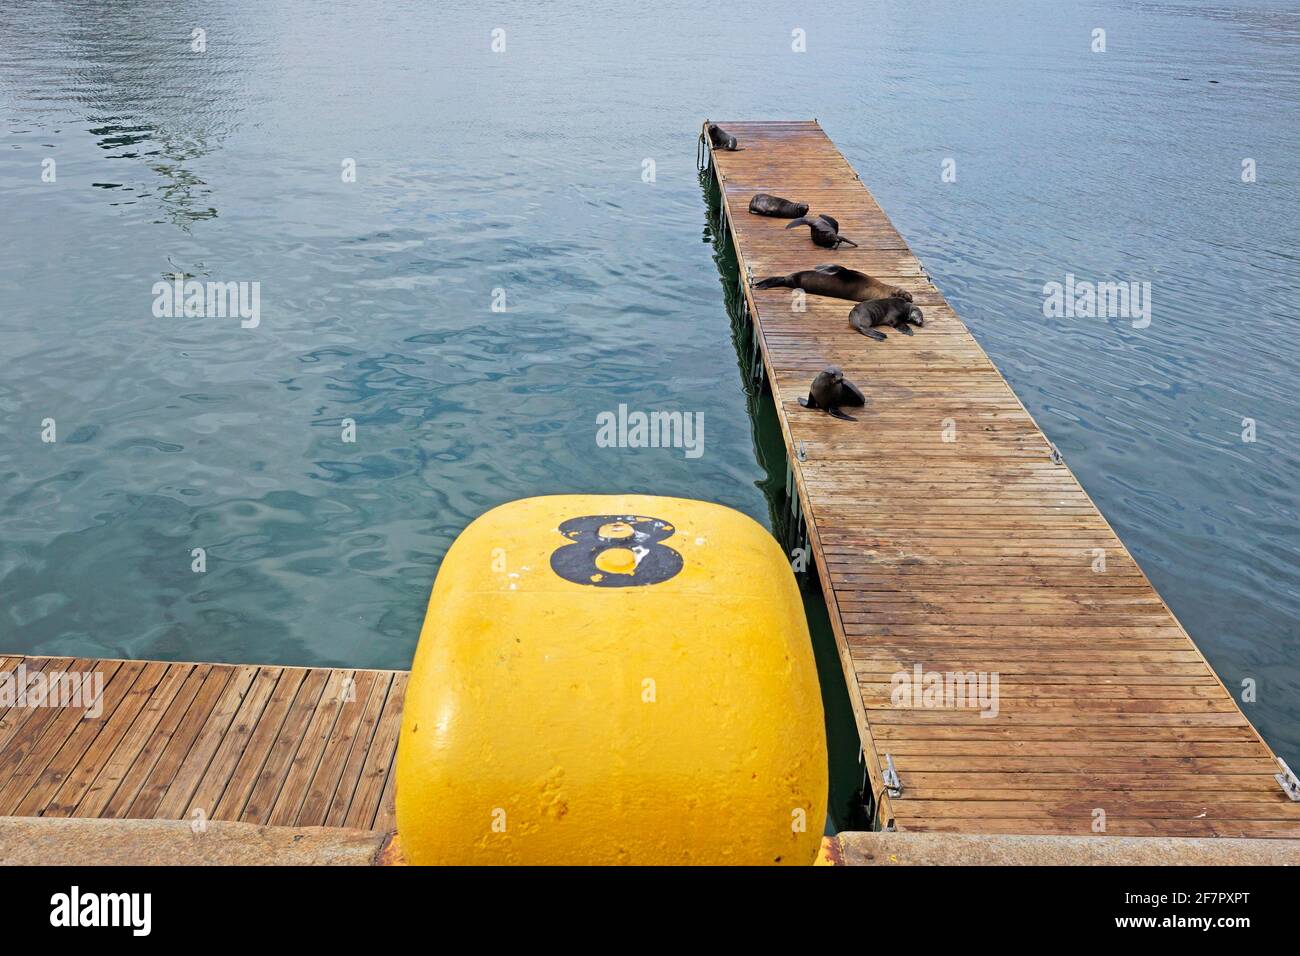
[
  {"x": 280, "y": 757},
  {"x": 365, "y": 807},
  {"x": 89, "y": 763},
  {"x": 113, "y": 770},
  {"x": 122, "y": 699},
  {"x": 7, "y": 666},
  {"x": 249, "y": 768},
  {"x": 334, "y": 759},
  {"x": 386, "y": 816},
  {"x": 965, "y": 747},
  {"x": 43, "y": 735},
  {"x": 53, "y": 758},
  {"x": 312, "y": 749},
  {"x": 1116, "y": 807},
  {"x": 354, "y": 766},
  {"x": 178, "y": 745},
  {"x": 13, "y": 718},
  {"x": 142, "y": 766},
  {"x": 290, "y": 746},
  {"x": 977, "y": 556},
  {"x": 1115, "y": 826},
  {"x": 206, "y": 742},
  {"x": 207, "y": 795}
]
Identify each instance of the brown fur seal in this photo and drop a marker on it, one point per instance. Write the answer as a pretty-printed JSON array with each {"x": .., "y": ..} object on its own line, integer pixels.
[
  {"x": 764, "y": 204},
  {"x": 837, "y": 282},
  {"x": 721, "y": 139},
  {"x": 894, "y": 312},
  {"x": 829, "y": 390},
  {"x": 825, "y": 231}
]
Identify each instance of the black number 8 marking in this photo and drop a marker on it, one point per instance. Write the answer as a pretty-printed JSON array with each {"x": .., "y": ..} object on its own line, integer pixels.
[{"x": 654, "y": 562}]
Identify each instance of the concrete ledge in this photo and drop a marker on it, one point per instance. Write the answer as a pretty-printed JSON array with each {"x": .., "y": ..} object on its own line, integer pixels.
[
  {"x": 960, "y": 849},
  {"x": 45, "y": 841}
]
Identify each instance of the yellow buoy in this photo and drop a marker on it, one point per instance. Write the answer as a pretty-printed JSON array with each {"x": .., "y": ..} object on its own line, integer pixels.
[{"x": 613, "y": 679}]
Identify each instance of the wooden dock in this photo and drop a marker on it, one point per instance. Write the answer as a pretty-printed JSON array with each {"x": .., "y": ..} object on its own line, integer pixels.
[
  {"x": 977, "y": 554},
  {"x": 281, "y": 746},
  {"x": 945, "y": 536}
]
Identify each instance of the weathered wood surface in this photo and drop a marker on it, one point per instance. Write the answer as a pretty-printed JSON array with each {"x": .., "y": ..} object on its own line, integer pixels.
[
  {"x": 977, "y": 555},
  {"x": 284, "y": 746}
]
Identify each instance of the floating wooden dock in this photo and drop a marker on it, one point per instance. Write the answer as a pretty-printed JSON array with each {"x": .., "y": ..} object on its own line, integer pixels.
[
  {"x": 280, "y": 746},
  {"x": 976, "y": 555},
  {"x": 945, "y": 537}
]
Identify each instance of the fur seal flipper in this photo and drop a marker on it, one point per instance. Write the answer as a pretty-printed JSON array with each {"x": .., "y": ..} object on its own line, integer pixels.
[
  {"x": 829, "y": 390},
  {"x": 721, "y": 139},
  {"x": 765, "y": 204},
  {"x": 894, "y": 312},
  {"x": 825, "y": 231},
  {"x": 837, "y": 282}
]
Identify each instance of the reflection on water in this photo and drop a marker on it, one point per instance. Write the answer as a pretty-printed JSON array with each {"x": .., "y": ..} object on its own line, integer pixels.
[
  {"x": 136, "y": 87},
  {"x": 522, "y": 172}
]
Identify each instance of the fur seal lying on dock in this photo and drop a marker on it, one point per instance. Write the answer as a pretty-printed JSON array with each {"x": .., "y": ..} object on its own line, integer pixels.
[
  {"x": 825, "y": 231},
  {"x": 829, "y": 390},
  {"x": 765, "y": 204},
  {"x": 836, "y": 282},
  {"x": 895, "y": 312},
  {"x": 721, "y": 139}
]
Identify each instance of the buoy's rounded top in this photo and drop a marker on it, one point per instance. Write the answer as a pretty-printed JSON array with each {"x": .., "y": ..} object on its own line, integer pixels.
[{"x": 613, "y": 678}]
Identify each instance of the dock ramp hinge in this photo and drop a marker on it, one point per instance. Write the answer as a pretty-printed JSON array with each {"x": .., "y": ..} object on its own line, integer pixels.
[
  {"x": 893, "y": 785},
  {"x": 1287, "y": 781}
]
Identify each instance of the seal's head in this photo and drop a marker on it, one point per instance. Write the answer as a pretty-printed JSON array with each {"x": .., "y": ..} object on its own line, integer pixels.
[
  {"x": 916, "y": 317},
  {"x": 836, "y": 373}
]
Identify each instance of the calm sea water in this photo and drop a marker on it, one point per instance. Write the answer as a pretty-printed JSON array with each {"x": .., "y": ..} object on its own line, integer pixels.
[{"x": 522, "y": 171}]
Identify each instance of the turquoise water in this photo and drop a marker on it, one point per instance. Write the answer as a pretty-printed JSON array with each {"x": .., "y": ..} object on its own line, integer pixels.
[{"x": 522, "y": 171}]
